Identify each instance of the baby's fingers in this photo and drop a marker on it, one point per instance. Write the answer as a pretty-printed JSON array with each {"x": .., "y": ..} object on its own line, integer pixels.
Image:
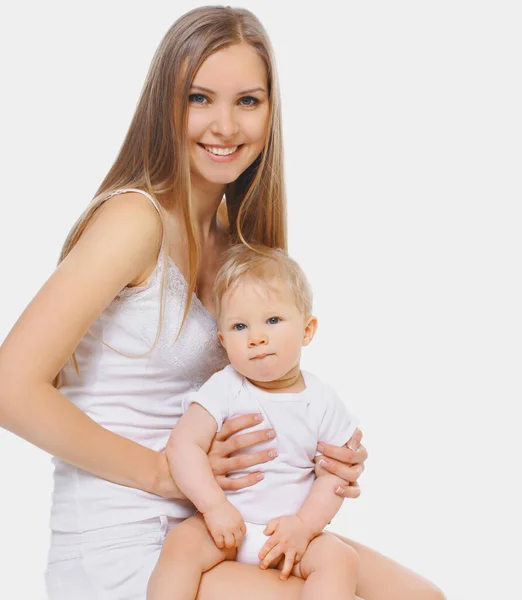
[
  {"x": 267, "y": 546},
  {"x": 271, "y": 526},
  {"x": 239, "y": 534},
  {"x": 288, "y": 565},
  {"x": 273, "y": 555}
]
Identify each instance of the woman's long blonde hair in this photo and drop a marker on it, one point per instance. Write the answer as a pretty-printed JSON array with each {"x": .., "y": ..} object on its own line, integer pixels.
[{"x": 154, "y": 155}]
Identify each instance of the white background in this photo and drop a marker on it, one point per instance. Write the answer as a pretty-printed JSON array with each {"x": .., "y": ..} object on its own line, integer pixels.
[{"x": 403, "y": 137}]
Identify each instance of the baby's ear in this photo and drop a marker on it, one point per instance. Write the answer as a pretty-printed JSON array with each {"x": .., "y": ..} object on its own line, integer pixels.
[
  {"x": 221, "y": 339},
  {"x": 309, "y": 330}
]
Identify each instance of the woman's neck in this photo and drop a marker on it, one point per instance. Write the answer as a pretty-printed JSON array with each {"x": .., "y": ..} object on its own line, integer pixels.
[{"x": 205, "y": 199}]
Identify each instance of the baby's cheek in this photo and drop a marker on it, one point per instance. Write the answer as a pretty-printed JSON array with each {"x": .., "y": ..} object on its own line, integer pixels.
[{"x": 235, "y": 355}]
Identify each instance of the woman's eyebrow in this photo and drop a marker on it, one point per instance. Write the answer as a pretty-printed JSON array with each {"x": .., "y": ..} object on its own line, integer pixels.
[{"x": 209, "y": 91}]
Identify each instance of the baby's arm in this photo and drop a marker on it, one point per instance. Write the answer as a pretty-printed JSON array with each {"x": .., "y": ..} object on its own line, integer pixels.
[
  {"x": 337, "y": 427},
  {"x": 321, "y": 506},
  {"x": 290, "y": 535},
  {"x": 187, "y": 456}
]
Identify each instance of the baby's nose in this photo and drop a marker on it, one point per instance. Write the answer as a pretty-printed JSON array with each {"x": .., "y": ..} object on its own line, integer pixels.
[{"x": 257, "y": 339}]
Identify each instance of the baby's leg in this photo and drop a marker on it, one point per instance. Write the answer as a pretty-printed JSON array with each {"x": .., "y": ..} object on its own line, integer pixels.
[
  {"x": 329, "y": 569},
  {"x": 187, "y": 553}
]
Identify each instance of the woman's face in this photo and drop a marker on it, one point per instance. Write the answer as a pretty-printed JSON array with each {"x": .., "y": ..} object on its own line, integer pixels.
[{"x": 228, "y": 114}]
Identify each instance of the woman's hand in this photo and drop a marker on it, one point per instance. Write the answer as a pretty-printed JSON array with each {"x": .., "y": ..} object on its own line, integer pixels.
[
  {"x": 347, "y": 462},
  {"x": 219, "y": 456},
  {"x": 224, "y": 445}
]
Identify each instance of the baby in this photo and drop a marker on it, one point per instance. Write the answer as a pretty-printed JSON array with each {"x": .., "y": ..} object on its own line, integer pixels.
[{"x": 264, "y": 315}]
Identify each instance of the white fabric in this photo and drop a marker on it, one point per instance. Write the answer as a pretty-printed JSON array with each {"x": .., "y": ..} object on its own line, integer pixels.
[
  {"x": 107, "y": 538},
  {"x": 300, "y": 420},
  {"x": 112, "y": 563},
  {"x": 115, "y": 563},
  {"x": 137, "y": 397},
  {"x": 251, "y": 544}
]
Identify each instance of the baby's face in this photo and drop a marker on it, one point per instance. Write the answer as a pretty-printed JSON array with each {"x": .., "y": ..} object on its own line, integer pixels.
[{"x": 262, "y": 330}]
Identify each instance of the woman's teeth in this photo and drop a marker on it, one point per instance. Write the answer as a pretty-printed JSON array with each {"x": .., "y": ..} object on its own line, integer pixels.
[{"x": 220, "y": 151}]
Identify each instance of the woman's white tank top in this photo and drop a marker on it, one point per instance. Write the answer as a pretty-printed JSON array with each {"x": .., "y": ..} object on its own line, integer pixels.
[{"x": 138, "y": 398}]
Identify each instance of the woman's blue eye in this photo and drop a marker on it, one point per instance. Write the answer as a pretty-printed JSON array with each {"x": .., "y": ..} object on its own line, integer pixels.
[
  {"x": 274, "y": 320},
  {"x": 239, "y": 326},
  {"x": 248, "y": 101},
  {"x": 197, "y": 98}
]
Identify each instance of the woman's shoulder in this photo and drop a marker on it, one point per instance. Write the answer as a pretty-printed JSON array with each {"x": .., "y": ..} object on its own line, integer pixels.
[
  {"x": 125, "y": 234},
  {"x": 131, "y": 219},
  {"x": 132, "y": 210}
]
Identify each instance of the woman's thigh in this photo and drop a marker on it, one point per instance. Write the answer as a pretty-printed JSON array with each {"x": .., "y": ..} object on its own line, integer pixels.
[
  {"x": 113, "y": 563},
  {"x": 232, "y": 580},
  {"x": 381, "y": 578},
  {"x": 235, "y": 581}
]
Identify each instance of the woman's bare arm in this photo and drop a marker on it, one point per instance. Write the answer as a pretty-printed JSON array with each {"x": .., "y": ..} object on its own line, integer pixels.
[{"x": 119, "y": 247}]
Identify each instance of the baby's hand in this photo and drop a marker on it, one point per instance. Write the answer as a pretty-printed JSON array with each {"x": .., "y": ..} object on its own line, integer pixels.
[
  {"x": 289, "y": 536},
  {"x": 225, "y": 524}
]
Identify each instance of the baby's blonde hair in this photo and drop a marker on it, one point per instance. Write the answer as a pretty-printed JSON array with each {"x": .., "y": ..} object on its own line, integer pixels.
[{"x": 262, "y": 265}]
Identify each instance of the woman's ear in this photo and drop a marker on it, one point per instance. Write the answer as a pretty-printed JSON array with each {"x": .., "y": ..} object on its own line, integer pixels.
[{"x": 309, "y": 330}]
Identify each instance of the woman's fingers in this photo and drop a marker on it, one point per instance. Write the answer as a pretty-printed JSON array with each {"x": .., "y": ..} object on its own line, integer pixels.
[
  {"x": 348, "y": 491},
  {"x": 222, "y": 466},
  {"x": 224, "y": 445},
  {"x": 355, "y": 441},
  {"x": 245, "y": 440},
  {"x": 238, "y": 483},
  {"x": 348, "y": 473},
  {"x": 344, "y": 454},
  {"x": 352, "y": 453},
  {"x": 236, "y": 424},
  {"x": 243, "y": 461}
]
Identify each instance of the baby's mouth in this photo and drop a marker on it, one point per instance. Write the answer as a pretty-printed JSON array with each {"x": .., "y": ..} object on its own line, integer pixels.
[{"x": 260, "y": 356}]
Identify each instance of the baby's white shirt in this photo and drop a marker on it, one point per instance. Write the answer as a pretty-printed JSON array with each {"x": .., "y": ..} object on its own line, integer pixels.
[{"x": 300, "y": 421}]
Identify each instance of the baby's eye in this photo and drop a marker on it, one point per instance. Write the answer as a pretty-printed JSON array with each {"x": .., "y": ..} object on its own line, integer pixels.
[
  {"x": 239, "y": 326},
  {"x": 198, "y": 99},
  {"x": 274, "y": 320}
]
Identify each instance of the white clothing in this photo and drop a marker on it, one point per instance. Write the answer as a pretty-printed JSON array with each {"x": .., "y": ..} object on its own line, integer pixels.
[
  {"x": 111, "y": 563},
  {"x": 107, "y": 538},
  {"x": 300, "y": 421},
  {"x": 137, "y": 396},
  {"x": 251, "y": 544}
]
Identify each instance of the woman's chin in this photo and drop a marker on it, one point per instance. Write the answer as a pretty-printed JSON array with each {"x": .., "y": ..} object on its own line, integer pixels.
[{"x": 220, "y": 178}]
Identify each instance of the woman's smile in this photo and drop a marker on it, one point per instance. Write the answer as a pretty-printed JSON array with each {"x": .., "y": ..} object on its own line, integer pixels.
[
  {"x": 228, "y": 103},
  {"x": 221, "y": 153}
]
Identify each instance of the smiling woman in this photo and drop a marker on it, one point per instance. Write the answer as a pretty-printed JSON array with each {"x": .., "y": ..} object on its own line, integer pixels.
[
  {"x": 227, "y": 126},
  {"x": 96, "y": 369}
]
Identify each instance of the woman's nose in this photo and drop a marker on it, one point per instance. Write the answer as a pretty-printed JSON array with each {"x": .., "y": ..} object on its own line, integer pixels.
[{"x": 225, "y": 123}]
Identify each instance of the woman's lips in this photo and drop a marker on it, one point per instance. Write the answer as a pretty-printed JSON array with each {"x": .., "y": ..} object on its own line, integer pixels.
[{"x": 221, "y": 158}]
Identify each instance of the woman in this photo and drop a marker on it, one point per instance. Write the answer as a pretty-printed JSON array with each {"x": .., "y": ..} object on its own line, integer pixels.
[{"x": 126, "y": 320}]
